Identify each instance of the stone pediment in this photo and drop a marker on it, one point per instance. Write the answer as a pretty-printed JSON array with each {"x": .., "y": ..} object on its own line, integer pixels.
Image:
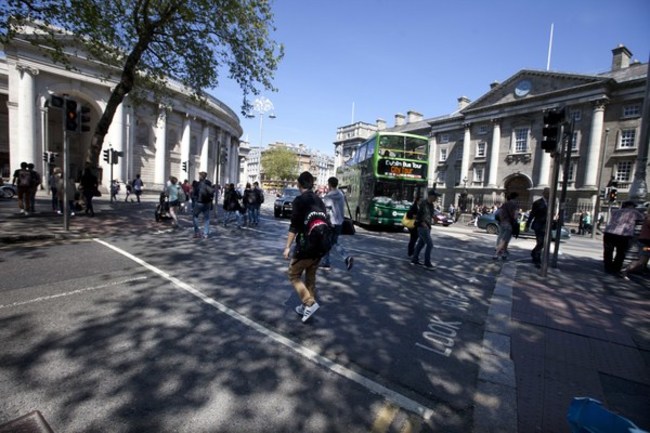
[{"x": 531, "y": 84}]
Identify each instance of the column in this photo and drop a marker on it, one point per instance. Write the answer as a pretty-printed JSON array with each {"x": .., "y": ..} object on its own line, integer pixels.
[
  {"x": 185, "y": 151},
  {"x": 464, "y": 163},
  {"x": 24, "y": 137},
  {"x": 205, "y": 141},
  {"x": 160, "y": 157},
  {"x": 494, "y": 154},
  {"x": 115, "y": 140},
  {"x": 595, "y": 145},
  {"x": 433, "y": 159},
  {"x": 544, "y": 169}
]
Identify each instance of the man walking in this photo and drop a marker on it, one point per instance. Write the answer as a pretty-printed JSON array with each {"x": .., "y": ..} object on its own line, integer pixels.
[
  {"x": 423, "y": 220},
  {"x": 537, "y": 220},
  {"x": 202, "y": 195},
  {"x": 23, "y": 181},
  {"x": 618, "y": 234},
  {"x": 335, "y": 203},
  {"x": 302, "y": 262},
  {"x": 137, "y": 187}
]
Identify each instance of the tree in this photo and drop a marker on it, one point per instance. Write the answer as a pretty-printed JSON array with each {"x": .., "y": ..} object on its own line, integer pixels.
[
  {"x": 279, "y": 163},
  {"x": 143, "y": 43}
]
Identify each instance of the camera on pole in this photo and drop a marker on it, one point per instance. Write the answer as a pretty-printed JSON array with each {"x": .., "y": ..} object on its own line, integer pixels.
[{"x": 551, "y": 130}]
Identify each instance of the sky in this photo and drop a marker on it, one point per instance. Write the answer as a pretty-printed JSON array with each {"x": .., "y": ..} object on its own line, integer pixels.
[{"x": 360, "y": 60}]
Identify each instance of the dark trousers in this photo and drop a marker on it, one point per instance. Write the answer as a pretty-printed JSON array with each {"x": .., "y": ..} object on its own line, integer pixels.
[
  {"x": 536, "y": 253},
  {"x": 614, "y": 263},
  {"x": 413, "y": 238}
]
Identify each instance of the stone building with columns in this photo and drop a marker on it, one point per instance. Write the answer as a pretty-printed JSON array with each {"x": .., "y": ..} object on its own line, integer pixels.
[
  {"x": 155, "y": 140},
  {"x": 492, "y": 146}
]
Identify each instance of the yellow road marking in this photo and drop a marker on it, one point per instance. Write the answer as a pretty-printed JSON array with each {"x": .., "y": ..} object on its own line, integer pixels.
[{"x": 384, "y": 418}]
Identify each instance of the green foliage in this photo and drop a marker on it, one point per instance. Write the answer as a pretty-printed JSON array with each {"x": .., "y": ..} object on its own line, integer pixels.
[
  {"x": 279, "y": 163},
  {"x": 144, "y": 43}
]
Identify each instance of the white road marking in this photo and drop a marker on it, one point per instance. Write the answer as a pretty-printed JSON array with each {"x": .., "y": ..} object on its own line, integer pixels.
[
  {"x": 73, "y": 292},
  {"x": 391, "y": 395}
]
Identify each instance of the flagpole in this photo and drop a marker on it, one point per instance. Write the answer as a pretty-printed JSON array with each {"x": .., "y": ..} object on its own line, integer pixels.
[{"x": 550, "y": 48}]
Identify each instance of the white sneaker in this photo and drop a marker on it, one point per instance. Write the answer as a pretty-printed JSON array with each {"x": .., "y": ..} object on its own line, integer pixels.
[
  {"x": 309, "y": 311},
  {"x": 300, "y": 310},
  {"x": 71, "y": 213},
  {"x": 58, "y": 212}
]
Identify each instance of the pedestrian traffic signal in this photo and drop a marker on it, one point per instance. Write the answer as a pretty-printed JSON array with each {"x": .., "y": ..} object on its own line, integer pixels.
[
  {"x": 84, "y": 117},
  {"x": 185, "y": 166},
  {"x": 551, "y": 130},
  {"x": 71, "y": 115},
  {"x": 107, "y": 155},
  {"x": 612, "y": 194}
]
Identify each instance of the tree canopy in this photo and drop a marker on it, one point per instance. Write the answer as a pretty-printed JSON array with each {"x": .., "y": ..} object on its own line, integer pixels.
[
  {"x": 279, "y": 163},
  {"x": 143, "y": 43}
]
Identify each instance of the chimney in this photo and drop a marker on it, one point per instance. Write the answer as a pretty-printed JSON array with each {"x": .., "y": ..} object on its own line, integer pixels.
[
  {"x": 463, "y": 102},
  {"x": 621, "y": 58},
  {"x": 400, "y": 119},
  {"x": 381, "y": 124},
  {"x": 413, "y": 116},
  {"x": 493, "y": 84}
]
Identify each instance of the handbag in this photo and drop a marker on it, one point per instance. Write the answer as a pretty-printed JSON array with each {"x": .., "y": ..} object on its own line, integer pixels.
[
  {"x": 348, "y": 223},
  {"x": 407, "y": 222},
  {"x": 348, "y": 227}
]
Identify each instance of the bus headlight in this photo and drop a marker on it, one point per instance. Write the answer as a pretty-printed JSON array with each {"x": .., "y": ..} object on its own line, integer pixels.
[{"x": 394, "y": 213}]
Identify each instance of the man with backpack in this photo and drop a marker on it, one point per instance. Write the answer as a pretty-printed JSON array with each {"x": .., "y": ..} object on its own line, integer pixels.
[
  {"x": 23, "y": 181},
  {"x": 202, "y": 194},
  {"x": 312, "y": 233}
]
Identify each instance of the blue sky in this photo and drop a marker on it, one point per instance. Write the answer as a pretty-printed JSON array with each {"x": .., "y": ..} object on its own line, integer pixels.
[{"x": 388, "y": 56}]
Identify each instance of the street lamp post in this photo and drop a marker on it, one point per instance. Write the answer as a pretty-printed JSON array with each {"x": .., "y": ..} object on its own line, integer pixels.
[{"x": 261, "y": 106}]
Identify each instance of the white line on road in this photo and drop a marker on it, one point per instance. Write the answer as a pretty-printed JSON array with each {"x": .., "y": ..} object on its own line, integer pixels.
[
  {"x": 393, "y": 396},
  {"x": 73, "y": 292}
]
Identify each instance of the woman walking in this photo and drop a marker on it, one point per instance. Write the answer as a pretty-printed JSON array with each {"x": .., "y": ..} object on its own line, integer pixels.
[{"x": 174, "y": 194}]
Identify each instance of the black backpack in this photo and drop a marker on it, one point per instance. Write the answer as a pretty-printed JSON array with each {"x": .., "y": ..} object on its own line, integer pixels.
[{"x": 316, "y": 241}]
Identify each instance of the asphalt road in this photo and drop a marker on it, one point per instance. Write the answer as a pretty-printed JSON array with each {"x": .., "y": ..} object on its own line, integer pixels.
[{"x": 162, "y": 332}]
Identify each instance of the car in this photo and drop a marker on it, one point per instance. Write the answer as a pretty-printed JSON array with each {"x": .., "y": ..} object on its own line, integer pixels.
[
  {"x": 491, "y": 225},
  {"x": 441, "y": 218},
  {"x": 284, "y": 203},
  {"x": 7, "y": 190}
]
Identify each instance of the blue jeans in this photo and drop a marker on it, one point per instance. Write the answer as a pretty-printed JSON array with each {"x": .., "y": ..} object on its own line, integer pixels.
[
  {"x": 201, "y": 209},
  {"x": 232, "y": 215},
  {"x": 336, "y": 246},
  {"x": 424, "y": 238},
  {"x": 254, "y": 214}
]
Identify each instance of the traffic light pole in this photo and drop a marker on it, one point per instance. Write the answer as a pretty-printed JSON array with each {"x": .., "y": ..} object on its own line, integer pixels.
[
  {"x": 566, "y": 141},
  {"x": 550, "y": 210},
  {"x": 110, "y": 183},
  {"x": 66, "y": 177}
]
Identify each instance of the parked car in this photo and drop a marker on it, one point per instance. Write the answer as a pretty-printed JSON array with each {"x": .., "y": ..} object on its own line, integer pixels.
[
  {"x": 284, "y": 203},
  {"x": 7, "y": 190},
  {"x": 487, "y": 222},
  {"x": 441, "y": 218}
]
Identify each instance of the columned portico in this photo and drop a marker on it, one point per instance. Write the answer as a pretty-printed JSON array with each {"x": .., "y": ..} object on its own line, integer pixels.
[
  {"x": 185, "y": 148},
  {"x": 22, "y": 115}
]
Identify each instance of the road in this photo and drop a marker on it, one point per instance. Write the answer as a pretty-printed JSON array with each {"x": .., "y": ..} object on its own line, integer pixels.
[{"x": 162, "y": 332}]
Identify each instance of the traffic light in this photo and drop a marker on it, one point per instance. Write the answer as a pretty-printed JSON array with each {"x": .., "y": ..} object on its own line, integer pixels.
[
  {"x": 53, "y": 155},
  {"x": 551, "y": 130},
  {"x": 84, "y": 118},
  {"x": 71, "y": 115},
  {"x": 55, "y": 102},
  {"x": 46, "y": 156},
  {"x": 185, "y": 166},
  {"x": 116, "y": 156},
  {"x": 612, "y": 194},
  {"x": 108, "y": 155}
]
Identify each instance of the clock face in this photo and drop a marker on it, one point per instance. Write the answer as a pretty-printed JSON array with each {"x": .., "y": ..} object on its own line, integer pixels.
[{"x": 523, "y": 88}]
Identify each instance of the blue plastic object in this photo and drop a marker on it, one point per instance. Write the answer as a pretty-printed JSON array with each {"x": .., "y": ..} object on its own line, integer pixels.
[{"x": 587, "y": 415}]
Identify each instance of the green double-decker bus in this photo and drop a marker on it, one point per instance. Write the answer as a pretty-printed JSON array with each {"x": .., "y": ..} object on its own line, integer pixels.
[{"x": 382, "y": 177}]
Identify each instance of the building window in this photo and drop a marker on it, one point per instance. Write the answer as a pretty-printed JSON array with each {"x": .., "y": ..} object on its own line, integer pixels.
[
  {"x": 443, "y": 155},
  {"x": 521, "y": 140},
  {"x": 480, "y": 149},
  {"x": 444, "y": 138},
  {"x": 575, "y": 141},
  {"x": 628, "y": 137},
  {"x": 478, "y": 174},
  {"x": 440, "y": 177},
  {"x": 632, "y": 111},
  {"x": 576, "y": 115},
  {"x": 482, "y": 130},
  {"x": 623, "y": 171}
]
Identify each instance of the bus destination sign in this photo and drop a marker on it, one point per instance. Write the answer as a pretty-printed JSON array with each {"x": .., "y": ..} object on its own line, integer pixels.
[{"x": 398, "y": 168}]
